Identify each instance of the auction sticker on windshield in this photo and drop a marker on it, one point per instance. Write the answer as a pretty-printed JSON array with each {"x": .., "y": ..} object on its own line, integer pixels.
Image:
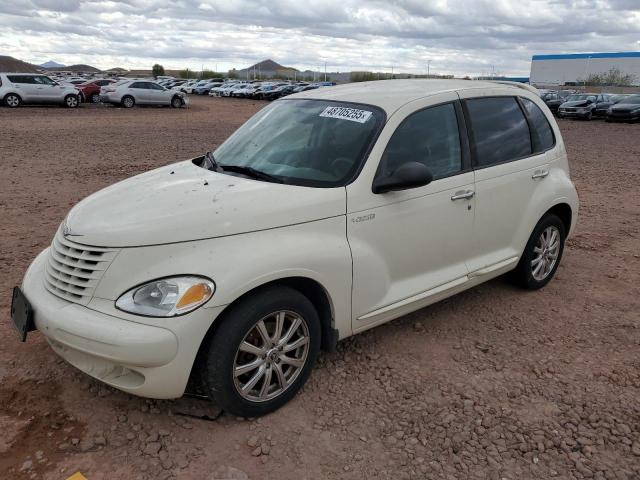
[{"x": 345, "y": 113}]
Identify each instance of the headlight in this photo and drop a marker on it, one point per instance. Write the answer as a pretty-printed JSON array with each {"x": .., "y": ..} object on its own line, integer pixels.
[{"x": 167, "y": 297}]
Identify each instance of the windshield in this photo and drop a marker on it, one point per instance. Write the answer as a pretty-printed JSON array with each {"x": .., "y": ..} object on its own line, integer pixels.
[
  {"x": 305, "y": 142},
  {"x": 576, "y": 98}
]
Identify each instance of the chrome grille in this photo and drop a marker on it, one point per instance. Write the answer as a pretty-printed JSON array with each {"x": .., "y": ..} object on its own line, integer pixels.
[{"x": 74, "y": 270}]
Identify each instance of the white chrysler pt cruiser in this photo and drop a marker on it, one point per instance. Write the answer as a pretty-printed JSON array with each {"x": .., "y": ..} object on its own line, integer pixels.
[{"x": 327, "y": 213}]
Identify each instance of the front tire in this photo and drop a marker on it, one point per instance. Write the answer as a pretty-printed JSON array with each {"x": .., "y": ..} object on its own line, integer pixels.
[
  {"x": 542, "y": 254},
  {"x": 72, "y": 101},
  {"x": 263, "y": 352},
  {"x": 176, "y": 102},
  {"x": 12, "y": 100}
]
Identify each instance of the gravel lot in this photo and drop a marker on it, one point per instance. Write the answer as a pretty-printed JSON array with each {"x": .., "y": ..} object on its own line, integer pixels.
[{"x": 493, "y": 383}]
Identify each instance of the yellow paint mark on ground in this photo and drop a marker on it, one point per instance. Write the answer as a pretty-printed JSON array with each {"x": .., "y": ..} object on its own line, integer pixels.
[{"x": 77, "y": 476}]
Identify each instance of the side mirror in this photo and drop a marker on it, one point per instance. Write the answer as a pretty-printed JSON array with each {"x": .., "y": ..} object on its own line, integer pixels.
[{"x": 406, "y": 176}]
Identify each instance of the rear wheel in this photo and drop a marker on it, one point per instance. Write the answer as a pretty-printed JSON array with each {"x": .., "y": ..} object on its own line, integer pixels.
[
  {"x": 542, "y": 254},
  {"x": 263, "y": 352},
  {"x": 128, "y": 101},
  {"x": 12, "y": 100},
  {"x": 72, "y": 101},
  {"x": 95, "y": 98}
]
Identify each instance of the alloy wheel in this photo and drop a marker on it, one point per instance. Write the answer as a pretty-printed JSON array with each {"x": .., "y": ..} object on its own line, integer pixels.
[
  {"x": 546, "y": 253},
  {"x": 72, "y": 101},
  {"x": 12, "y": 100},
  {"x": 271, "y": 356}
]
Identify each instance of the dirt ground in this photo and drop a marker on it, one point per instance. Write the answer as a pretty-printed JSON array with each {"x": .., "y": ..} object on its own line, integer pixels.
[{"x": 493, "y": 383}]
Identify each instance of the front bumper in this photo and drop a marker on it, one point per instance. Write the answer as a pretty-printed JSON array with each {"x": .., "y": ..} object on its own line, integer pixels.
[
  {"x": 573, "y": 113},
  {"x": 139, "y": 358}
]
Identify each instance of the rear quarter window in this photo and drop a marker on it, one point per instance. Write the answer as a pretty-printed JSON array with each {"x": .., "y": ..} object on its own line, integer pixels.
[{"x": 541, "y": 132}]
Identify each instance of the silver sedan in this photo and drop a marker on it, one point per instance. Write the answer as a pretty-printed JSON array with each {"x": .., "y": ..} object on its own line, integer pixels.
[{"x": 128, "y": 93}]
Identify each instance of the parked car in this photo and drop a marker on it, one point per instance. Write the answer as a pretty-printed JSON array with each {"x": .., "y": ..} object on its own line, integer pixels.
[
  {"x": 626, "y": 110},
  {"x": 579, "y": 106},
  {"x": 602, "y": 106},
  {"x": 554, "y": 99},
  {"x": 142, "y": 92},
  {"x": 334, "y": 211},
  {"x": 90, "y": 91},
  {"x": 206, "y": 88},
  {"x": 30, "y": 88},
  {"x": 277, "y": 92}
]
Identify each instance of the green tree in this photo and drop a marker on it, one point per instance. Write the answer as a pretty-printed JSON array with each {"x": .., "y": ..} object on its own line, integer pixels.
[{"x": 157, "y": 70}]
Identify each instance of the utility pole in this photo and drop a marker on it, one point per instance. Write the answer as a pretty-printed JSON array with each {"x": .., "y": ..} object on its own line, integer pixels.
[
  {"x": 586, "y": 71},
  {"x": 325, "y": 71},
  {"x": 428, "y": 68}
]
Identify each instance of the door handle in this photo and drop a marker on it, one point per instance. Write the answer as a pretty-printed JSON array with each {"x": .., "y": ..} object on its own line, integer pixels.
[
  {"x": 540, "y": 174},
  {"x": 462, "y": 195}
]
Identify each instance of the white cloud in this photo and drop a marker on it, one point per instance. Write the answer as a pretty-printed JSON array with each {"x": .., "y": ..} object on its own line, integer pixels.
[{"x": 457, "y": 36}]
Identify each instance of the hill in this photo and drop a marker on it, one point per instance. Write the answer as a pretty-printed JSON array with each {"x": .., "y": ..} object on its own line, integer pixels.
[
  {"x": 10, "y": 64},
  {"x": 81, "y": 68},
  {"x": 51, "y": 64}
]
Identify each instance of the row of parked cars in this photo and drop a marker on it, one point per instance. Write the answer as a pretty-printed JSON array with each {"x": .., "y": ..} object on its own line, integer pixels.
[
  {"x": 28, "y": 88},
  {"x": 259, "y": 90},
  {"x": 611, "y": 107}
]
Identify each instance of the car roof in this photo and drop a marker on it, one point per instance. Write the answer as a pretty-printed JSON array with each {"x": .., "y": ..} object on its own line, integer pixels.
[{"x": 393, "y": 94}]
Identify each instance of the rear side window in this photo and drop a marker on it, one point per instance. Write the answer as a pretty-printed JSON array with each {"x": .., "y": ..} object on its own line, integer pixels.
[
  {"x": 28, "y": 79},
  {"x": 541, "y": 132},
  {"x": 431, "y": 137},
  {"x": 499, "y": 130}
]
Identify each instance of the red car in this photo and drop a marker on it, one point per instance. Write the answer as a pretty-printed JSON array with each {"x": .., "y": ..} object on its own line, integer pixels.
[{"x": 90, "y": 91}]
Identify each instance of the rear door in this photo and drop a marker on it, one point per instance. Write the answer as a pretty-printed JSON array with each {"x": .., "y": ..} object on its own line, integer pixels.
[
  {"x": 26, "y": 87},
  {"x": 511, "y": 161}
]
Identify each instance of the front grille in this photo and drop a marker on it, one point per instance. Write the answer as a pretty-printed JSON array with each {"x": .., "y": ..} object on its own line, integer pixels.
[{"x": 74, "y": 270}]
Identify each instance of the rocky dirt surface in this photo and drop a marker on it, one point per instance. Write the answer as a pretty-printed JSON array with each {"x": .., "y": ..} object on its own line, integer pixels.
[{"x": 493, "y": 383}]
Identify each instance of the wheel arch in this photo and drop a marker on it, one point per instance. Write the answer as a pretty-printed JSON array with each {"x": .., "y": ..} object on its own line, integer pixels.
[
  {"x": 13, "y": 93},
  {"x": 563, "y": 212}
]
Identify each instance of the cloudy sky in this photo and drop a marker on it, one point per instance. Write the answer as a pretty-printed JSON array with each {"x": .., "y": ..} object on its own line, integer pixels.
[{"x": 456, "y": 36}]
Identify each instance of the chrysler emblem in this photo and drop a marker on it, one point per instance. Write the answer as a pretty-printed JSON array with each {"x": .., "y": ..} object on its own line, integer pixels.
[{"x": 66, "y": 231}]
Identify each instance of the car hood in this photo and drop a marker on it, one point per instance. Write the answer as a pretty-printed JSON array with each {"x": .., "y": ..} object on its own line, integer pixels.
[
  {"x": 183, "y": 202},
  {"x": 625, "y": 107},
  {"x": 577, "y": 103}
]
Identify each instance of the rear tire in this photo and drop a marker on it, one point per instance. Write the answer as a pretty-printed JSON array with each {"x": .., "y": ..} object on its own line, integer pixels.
[
  {"x": 128, "y": 101},
  {"x": 276, "y": 374},
  {"x": 12, "y": 100},
  {"x": 95, "y": 98},
  {"x": 542, "y": 254}
]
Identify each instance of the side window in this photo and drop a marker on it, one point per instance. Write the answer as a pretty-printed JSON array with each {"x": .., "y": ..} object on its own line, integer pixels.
[
  {"x": 499, "y": 130},
  {"x": 155, "y": 86},
  {"x": 137, "y": 85},
  {"x": 541, "y": 131},
  {"x": 21, "y": 79},
  {"x": 430, "y": 136}
]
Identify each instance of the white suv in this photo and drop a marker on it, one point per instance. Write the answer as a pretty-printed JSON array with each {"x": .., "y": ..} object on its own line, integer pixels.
[
  {"x": 327, "y": 213},
  {"x": 19, "y": 88}
]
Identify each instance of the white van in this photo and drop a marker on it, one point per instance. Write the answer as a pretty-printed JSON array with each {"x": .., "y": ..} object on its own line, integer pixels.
[{"x": 327, "y": 213}]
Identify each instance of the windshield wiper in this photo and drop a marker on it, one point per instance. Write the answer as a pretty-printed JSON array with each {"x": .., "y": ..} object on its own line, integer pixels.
[
  {"x": 209, "y": 162},
  {"x": 250, "y": 172}
]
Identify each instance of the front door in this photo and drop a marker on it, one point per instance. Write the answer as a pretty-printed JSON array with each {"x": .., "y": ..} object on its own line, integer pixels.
[{"x": 409, "y": 246}]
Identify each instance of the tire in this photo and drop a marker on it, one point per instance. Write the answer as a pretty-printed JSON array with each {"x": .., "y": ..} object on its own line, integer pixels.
[
  {"x": 176, "y": 102},
  {"x": 551, "y": 227},
  {"x": 240, "y": 325},
  {"x": 589, "y": 116},
  {"x": 12, "y": 100},
  {"x": 128, "y": 101},
  {"x": 72, "y": 101},
  {"x": 95, "y": 98}
]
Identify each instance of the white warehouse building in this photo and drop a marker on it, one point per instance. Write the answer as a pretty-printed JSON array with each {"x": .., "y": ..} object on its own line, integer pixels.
[{"x": 559, "y": 69}]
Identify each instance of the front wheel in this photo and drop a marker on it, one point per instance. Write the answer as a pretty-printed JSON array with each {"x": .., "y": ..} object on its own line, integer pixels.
[
  {"x": 176, "y": 102},
  {"x": 542, "y": 254},
  {"x": 263, "y": 352},
  {"x": 72, "y": 101}
]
